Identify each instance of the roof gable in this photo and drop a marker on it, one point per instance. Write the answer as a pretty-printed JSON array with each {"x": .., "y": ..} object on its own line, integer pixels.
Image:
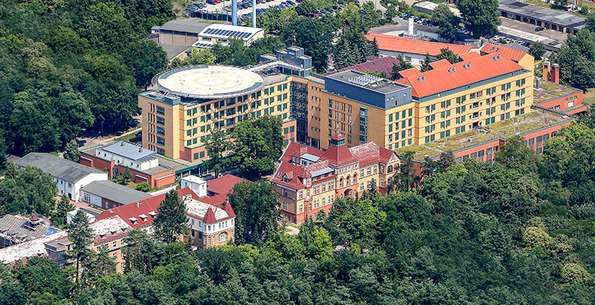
[{"x": 460, "y": 74}]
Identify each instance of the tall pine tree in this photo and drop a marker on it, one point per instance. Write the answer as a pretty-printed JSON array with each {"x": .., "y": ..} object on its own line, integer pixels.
[
  {"x": 81, "y": 236},
  {"x": 171, "y": 220}
]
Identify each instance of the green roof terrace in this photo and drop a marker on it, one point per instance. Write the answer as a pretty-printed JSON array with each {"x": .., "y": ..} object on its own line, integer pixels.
[{"x": 535, "y": 120}]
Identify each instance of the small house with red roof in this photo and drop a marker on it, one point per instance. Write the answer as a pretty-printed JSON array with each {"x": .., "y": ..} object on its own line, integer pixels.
[
  {"x": 210, "y": 217},
  {"x": 309, "y": 180}
]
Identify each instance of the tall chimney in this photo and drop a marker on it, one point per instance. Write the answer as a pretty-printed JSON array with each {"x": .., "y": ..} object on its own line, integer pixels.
[
  {"x": 253, "y": 13},
  {"x": 410, "y": 28},
  {"x": 556, "y": 73},
  {"x": 234, "y": 12}
]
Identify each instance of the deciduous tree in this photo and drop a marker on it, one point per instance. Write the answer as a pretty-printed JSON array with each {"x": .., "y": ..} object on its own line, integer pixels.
[
  {"x": 26, "y": 191},
  {"x": 537, "y": 50},
  {"x": 71, "y": 151},
  {"x": 480, "y": 17},
  {"x": 257, "y": 209},
  {"x": 217, "y": 147},
  {"x": 257, "y": 145},
  {"x": 447, "y": 22}
]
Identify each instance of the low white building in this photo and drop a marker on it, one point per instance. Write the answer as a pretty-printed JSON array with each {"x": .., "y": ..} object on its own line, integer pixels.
[
  {"x": 196, "y": 184},
  {"x": 129, "y": 155},
  {"x": 69, "y": 176},
  {"x": 223, "y": 33}
]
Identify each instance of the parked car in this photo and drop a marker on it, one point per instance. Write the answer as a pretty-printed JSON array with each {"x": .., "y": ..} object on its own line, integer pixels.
[{"x": 539, "y": 28}]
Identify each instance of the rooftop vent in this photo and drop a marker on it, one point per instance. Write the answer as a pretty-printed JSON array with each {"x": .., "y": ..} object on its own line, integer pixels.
[
  {"x": 152, "y": 213},
  {"x": 121, "y": 143},
  {"x": 467, "y": 65},
  {"x": 496, "y": 57},
  {"x": 451, "y": 70},
  {"x": 421, "y": 78}
]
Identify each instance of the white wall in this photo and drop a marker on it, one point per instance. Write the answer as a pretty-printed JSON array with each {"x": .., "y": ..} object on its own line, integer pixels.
[
  {"x": 91, "y": 199},
  {"x": 198, "y": 225},
  {"x": 198, "y": 187},
  {"x": 147, "y": 164},
  {"x": 76, "y": 189}
]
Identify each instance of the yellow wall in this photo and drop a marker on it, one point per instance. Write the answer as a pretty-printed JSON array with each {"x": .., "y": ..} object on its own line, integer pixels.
[
  {"x": 417, "y": 113},
  {"x": 432, "y": 126},
  {"x": 188, "y": 125}
]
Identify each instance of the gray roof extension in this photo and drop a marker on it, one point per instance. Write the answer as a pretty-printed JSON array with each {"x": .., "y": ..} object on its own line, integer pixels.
[
  {"x": 558, "y": 17},
  {"x": 129, "y": 151},
  {"x": 188, "y": 25},
  {"x": 57, "y": 167},
  {"x": 114, "y": 192}
]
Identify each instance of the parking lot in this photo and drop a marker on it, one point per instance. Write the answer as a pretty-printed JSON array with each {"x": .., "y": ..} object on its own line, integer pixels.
[{"x": 245, "y": 7}]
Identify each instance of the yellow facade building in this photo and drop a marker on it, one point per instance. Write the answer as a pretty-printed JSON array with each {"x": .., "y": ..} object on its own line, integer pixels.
[
  {"x": 485, "y": 87},
  {"x": 187, "y": 104}
]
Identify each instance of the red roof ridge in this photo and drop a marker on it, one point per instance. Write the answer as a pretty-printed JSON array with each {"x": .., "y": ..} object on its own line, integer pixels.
[
  {"x": 209, "y": 216},
  {"x": 439, "y": 64},
  {"x": 228, "y": 209}
]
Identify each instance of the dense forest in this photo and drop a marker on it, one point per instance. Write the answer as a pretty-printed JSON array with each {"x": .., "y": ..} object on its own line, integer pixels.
[
  {"x": 72, "y": 65},
  {"x": 516, "y": 231}
]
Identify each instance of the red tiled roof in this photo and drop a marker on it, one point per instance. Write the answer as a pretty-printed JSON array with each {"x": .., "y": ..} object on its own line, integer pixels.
[
  {"x": 100, "y": 240},
  {"x": 505, "y": 51},
  {"x": 382, "y": 65},
  {"x": 209, "y": 217},
  {"x": 229, "y": 209},
  {"x": 223, "y": 185},
  {"x": 458, "y": 75},
  {"x": 294, "y": 174},
  {"x": 216, "y": 200},
  {"x": 370, "y": 153},
  {"x": 143, "y": 207},
  {"x": 338, "y": 155},
  {"x": 415, "y": 46}
]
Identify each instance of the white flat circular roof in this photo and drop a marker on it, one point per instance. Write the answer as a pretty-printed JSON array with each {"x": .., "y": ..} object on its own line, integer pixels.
[{"x": 209, "y": 82}]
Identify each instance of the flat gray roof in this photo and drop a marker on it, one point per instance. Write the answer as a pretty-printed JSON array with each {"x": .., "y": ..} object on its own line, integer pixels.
[
  {"x": 114, "y": 192},
  {"x": 57, "y": 167},
  {"x": 20, "y": 229},
  {"x": 367, "y": 81},
  {"x": 541, "y": 13},
  {"x": 188, "y": 25},
  {"x": 129, "y": 151}
]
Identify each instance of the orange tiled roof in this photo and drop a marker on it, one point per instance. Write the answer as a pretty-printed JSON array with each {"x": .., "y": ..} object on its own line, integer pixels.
[
  {"x": 464, "y": 73},
  {"x": 423, "y": 47},
  {"x": 415, "y": 46},
  {"x": 440, "y": 64},
  {"x": 505, "y": 51}
]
